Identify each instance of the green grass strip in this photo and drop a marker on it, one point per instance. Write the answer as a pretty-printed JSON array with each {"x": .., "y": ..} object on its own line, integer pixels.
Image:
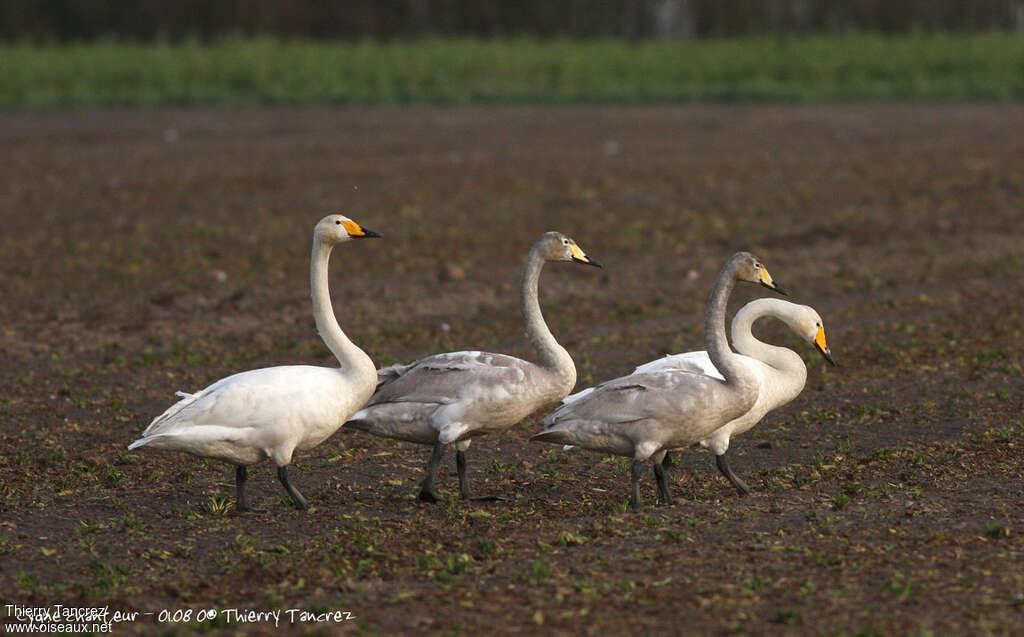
[{"x": 268, "y": 70}]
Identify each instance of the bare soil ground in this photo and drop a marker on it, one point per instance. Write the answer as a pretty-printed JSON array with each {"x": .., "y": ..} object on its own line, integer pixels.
[{"x": 145, "y": 252}]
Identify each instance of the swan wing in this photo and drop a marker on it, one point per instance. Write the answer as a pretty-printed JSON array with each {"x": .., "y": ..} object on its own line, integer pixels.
[
  {"x": 698, "y": 362},
  {"x": 450, "y": 377},
  {"x": 442, "y": 391},
  {"x": 671, "y": 405},
  {"x": 388, "y": 374},
  {"x": 257, "y": 398},
  {"x": 631, "y": 398}
]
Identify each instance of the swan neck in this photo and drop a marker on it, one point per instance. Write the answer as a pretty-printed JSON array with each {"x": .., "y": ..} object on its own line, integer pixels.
[
  {"x": 350, "y": 357},
  {"x": 553, "y": 357},
  {"x": 743, "y": 339},
  {"x": 715, "y": 340}
]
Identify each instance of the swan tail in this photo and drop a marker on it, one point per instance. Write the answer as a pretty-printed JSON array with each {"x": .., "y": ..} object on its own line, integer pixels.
[
  {"x": 571, "y": 398},
  {"x": 172, "y": 411},
  {"x": 452, "y": 433},
  {"x": 387, "y": 374},
  {"x": 555, "y": 436},
  {"x": 361, "y": 425},
  {"x": 212, "y": 441}
]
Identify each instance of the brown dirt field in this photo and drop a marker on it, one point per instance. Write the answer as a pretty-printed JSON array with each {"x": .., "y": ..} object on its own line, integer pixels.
[{"x": 145, "y": 252}]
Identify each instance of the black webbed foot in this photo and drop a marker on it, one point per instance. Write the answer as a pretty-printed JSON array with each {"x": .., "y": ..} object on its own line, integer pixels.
[
  {"x": 297, "y": 499},
  {"x": 723, "y": 466},
  {"x": 663, "y": 491},
  {"x": 428, "y": 495}
]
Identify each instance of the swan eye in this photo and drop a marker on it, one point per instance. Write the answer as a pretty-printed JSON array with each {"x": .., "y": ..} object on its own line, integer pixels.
[{"x": 337, "y": 223}]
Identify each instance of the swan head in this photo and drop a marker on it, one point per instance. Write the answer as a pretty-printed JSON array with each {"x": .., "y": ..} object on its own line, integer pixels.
[
  {"x": 749, "y": 268},
  {"x": 812, "y": 328},
  {"x": 333, "y": 229},
  {"x": 555, "y": 246}
]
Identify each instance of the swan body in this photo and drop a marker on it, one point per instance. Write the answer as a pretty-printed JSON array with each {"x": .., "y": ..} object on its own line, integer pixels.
[
  {"x": 638, "y": 415},
  {"x": 271, "y": 412},
  {"x": 453, "y": 397},
  {"x": 781, "y": 373},
  {"x": 644, "y": 415},
  {"x": 258, "y": 414}
]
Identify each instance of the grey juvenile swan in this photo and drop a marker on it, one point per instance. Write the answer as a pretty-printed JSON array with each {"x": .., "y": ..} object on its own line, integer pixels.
[
  {"x": 453, "y": 397},
  {"x": 270, "y": 412},
  {"x": 781, "y": 371},
  {"x": 644, "y": 415}
]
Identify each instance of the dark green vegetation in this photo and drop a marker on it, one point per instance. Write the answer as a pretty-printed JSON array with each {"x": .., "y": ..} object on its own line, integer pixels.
[
  {"x": 145, "y": 253},
  {"x": 632, "y": 19},
  {"x": 246, "y": 71}
]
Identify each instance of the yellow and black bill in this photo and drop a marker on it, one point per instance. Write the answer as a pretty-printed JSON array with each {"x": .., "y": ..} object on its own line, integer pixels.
[
  {"x": 356, "y": 231},
  {"x": 580, "y": 257},
  {"x": 822, "y": 345},
  {"x": 768, "y": 282}
]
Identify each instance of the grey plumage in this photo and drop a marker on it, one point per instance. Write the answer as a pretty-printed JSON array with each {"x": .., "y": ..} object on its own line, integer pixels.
[
  {"x": 639, "y": 414},
  {"x": 455, "y": 395}
]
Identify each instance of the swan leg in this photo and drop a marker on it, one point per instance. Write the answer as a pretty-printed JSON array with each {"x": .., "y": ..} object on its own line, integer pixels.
[
  {"x": 297, "y": 499},
  {"x": 659, "y": 477},
  {"x": 241, "y": 475},
  {"x": 460, "y": 464},
  {"x": 427, "y": 492},
  {"x": 634, "y": 499},
  {"x": 723, "y": 466}
]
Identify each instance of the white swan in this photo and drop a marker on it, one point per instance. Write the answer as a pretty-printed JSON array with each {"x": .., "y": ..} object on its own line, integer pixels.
[
  {"x": 781, "y": 371},
  {"x": 644, "y": 415},
  {"x": 269, "y": 413},
  {"x": 453, "y": 397}
]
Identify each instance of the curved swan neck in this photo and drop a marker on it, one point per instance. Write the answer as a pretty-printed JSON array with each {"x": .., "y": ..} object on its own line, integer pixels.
[
  {"x": 350, "y": 357},
  {"x": 743, "y": 339},
  {"x": 715, "y": 340},
  {"x": 553, "y": 357}
]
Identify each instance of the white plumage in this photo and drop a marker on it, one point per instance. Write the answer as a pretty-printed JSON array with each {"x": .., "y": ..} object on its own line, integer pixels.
[{"x": 258, "y": 414}]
